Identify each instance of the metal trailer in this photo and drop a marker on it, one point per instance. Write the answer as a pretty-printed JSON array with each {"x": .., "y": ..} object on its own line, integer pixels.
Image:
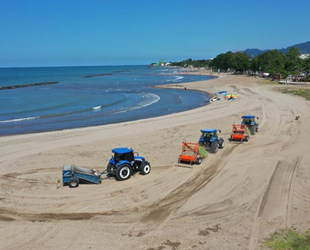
[
  {"x": 74, "y": 175},
  {"x": 190, "y": 153}
]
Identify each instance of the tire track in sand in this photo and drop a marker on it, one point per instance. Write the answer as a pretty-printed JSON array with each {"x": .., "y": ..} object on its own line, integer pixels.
[
  {"x": 161, "y": 210},
  {"x": 276, "y": 202}
]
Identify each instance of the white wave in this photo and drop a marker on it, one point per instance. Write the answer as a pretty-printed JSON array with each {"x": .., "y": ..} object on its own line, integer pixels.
[
  {"x": 96, "y": 108},
  {"x": 176, "y": 78},
  {"x": 20, "y": 119},
  {"x": 151, "y": 99}
]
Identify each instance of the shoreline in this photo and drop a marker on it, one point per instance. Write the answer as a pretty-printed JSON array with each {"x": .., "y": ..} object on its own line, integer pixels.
[{"x": 163, "y": 86}]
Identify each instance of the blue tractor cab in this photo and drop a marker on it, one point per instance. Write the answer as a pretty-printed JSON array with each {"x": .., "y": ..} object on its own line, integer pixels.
[
  {"x": 250, "y": 122},
  {"x": 210, "y": 140},
  {"x": 125, "y": 163}
]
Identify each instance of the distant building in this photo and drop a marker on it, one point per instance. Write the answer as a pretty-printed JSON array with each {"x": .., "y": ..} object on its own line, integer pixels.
[{"x": 304, "y": 56}]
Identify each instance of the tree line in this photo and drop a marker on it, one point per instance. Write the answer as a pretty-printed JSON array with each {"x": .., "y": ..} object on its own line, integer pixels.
[{"x": 273, "y": 62}]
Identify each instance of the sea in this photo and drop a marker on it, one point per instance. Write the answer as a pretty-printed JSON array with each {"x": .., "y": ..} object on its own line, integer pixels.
[{"x": 91, "y": 96}]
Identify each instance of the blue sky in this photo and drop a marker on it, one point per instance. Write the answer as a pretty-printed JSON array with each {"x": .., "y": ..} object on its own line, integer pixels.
[{"x": 119, "y": 32}]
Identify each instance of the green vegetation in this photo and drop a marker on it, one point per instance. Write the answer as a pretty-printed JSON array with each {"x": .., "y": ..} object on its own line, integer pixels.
[
  {"x": 194, "y": 63},
  {"x": 279, "y": 65},
  {"x": 289, "y": 240},
  {"x": 266, "y": 81},
  {"x": 300, "y": 92}
]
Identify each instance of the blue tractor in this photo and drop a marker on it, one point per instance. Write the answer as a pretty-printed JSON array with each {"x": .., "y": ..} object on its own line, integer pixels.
[
  {"x": 250, "y": 122},
  {"x": 124, "y": 163},
  {"x": 210, "y": 140}
]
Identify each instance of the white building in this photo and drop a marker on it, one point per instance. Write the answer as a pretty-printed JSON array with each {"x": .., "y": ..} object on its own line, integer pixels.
[{"x": 304, "y": 56}]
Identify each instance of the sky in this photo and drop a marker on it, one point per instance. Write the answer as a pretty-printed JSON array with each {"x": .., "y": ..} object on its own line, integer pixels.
[{"x": 38, "y": 33}]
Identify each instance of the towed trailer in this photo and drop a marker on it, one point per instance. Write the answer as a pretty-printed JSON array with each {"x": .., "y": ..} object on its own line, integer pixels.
[{"x": 73, "y": 175}]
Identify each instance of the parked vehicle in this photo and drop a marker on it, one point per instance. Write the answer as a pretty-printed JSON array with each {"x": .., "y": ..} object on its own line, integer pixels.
[
  {"x": 250, "y": 122},
  {"x": 210, "y": 140},
  {"x": 123, "y": 164}
]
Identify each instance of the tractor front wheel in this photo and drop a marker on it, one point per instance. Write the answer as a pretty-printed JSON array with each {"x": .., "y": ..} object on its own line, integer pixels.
[
  {"x": 73, "y": 182},
  {"x": 221, "y": 143},
  {"x": 145, "y": 168},
  {"x": 214, "y": 147},
  {"x": 123, "y": 172}
]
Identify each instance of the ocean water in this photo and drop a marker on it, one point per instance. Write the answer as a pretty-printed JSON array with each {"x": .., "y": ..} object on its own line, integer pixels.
[{"x": 123, "y": 93}]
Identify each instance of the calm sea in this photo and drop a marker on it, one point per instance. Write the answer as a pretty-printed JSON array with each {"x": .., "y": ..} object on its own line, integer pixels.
[{"x": 121, "y": 93}]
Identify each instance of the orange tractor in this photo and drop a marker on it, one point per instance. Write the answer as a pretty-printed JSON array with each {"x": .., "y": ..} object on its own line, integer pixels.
[
  {"x": 191, "y": 153},
  {"x": 239, "y": 133}
]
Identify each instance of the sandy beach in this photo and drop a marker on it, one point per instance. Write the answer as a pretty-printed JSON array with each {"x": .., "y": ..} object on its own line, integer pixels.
[{"x": 233, "y": 200}]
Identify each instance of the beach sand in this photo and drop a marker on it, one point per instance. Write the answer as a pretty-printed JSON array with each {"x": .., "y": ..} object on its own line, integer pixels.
[{"x": 233, "y": 200}]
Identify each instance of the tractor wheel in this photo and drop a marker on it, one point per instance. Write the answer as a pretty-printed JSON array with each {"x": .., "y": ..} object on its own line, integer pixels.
[
  {"x": 145, "y": 168},
  {"x": 221, "y": 143},
  {"x": 252, "y": 130},
  {"x": 198, "y": 160},
  {"x": 257, "y": 129},
  {"x": 123, "y": 172},
  {"x": 214, "y": 147},
  {"x": 73, "y": 182},
  {"x": 246, "y": 138}
]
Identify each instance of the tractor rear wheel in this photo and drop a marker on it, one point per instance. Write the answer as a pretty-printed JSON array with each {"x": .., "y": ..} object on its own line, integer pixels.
[
  {"x": 214, "y": 147},
  {"x": 198, "y": 160},
  {"x": 73, "y": 182},
  {"x": 252, "y": 130},
  {"x": 123, "y": 172},
  {"x": 145, "y": 168}
]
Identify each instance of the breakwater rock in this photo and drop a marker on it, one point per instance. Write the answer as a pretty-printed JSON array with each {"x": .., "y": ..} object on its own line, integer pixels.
[
  {"x": 27, "y": 85},
  {"x": 90, "y": 76}
]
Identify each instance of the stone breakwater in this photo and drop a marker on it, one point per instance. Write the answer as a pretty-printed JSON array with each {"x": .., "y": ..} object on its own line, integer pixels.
[{"x": 27, "y": 85}]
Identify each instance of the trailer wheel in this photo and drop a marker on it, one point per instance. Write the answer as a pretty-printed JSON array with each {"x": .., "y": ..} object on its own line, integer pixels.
[
  {"x": 198, "y": 160},
  {"x": 123, "y": 172},
  {"x": 145, "y": 168},
  {"x": 73, "y": 182}
]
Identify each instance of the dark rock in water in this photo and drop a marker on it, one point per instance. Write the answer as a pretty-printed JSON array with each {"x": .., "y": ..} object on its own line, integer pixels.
[
  {"x": 97, "y": 75},
  {"x": 27, "y": 85}
]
